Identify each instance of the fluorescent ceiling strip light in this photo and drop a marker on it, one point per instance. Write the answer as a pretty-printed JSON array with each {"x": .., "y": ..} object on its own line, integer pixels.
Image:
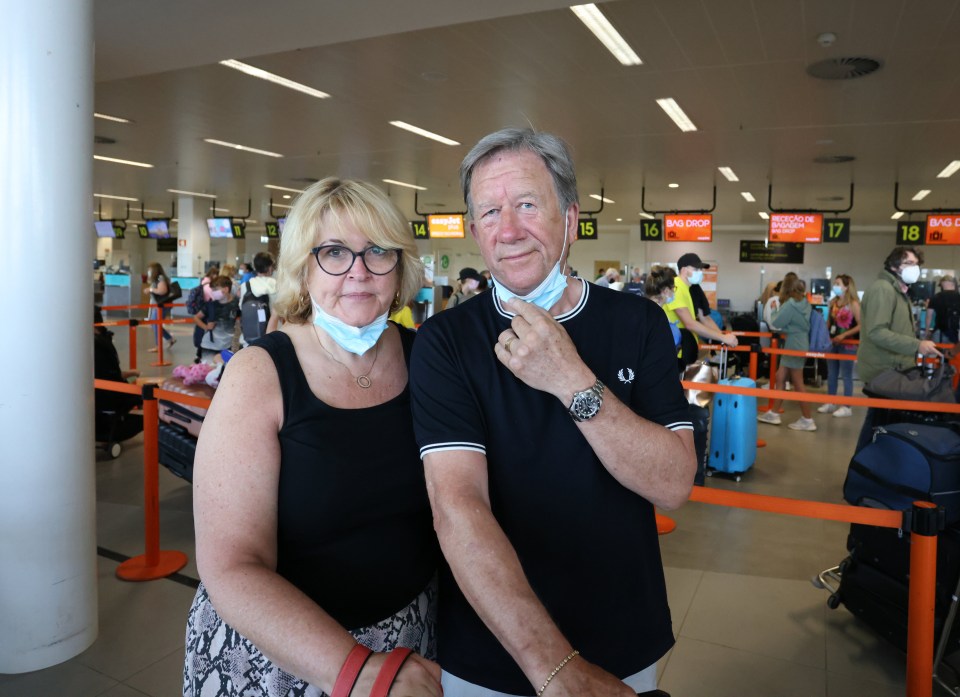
[
  {"x": 673, "y": 185},
  {"x": 409, "y": 186},
  {"x": 594, "y": 20},
  {"x": 122, "y": 162},
  {"x": 674, "y": 111},
  {"x": 728, "y": 173},
  {"x": 601, "y": 198},
  {"x": 422, "y": 132},
  {"x": 747, "y": 196},
  {"x": 107, "y": 117},
  {"x": 115, "y": 198},
  {"x": 151, "y": 210},
  {"x": 222, "y": 210},
  {"x": 191, "y": 193},
  {"x": 645, "y": 215},
  {"x": 225, "y": 144},
  {"x": 763, "y": 215},
  {"x": 897, "y": 215},
  {"x": 949, "y": 170},
  {"x": 922, "y": 194},
  {"x": 135, "y": 220},
  {"x": 280, "y": 205},
  {"x": 282, "y": 188},
  {"x": 276, "y": 79}
]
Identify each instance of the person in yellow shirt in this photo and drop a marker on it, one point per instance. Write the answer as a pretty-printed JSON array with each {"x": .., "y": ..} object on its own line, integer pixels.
[{"x": 690, "y": 272}]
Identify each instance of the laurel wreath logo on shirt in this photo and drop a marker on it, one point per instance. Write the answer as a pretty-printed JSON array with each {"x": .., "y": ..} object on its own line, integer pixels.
[{"x": 627, "y": 378}]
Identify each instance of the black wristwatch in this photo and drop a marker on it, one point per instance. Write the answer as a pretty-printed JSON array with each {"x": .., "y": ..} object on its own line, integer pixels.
[{"x": 586, "y": 403}]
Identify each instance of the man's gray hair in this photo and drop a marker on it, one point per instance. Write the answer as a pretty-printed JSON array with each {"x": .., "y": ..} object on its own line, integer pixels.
[{"x": 551, "y": 149}]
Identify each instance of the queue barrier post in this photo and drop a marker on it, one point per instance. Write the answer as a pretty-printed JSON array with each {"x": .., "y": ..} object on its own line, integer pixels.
[
  {"x": 754, "y": 362},
  {"x": 159, "y": 329},
  {"x": 132, "y": 343},
  {"x": 774, "y": 343},
  {"x": 154, "y": 563},
  {"x": 926, "y": 521}
]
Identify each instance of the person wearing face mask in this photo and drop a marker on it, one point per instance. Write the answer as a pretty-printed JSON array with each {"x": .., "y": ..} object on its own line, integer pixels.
[
  {"x": 216, "y": 320},
  {"x": 844, "y": 323},
  {"x": 658, "y": 286},
  {"x": 888, "y": 336},
  {"x": 551, "y": 421},
  {"x": 315, "y": 543},
  {"x": 944, "y": 308},
  {"x": 469, "y": 286},
  {"x": 681, "y": 309}
]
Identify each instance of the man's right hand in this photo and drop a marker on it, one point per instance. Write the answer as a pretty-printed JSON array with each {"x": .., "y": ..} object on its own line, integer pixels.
[
  {"x": 928, "y": 348},
  {"x": 730, "y": 340}
]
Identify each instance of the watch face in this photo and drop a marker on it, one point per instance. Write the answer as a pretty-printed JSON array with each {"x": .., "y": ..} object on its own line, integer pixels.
[{"x": 585, "y": 405}]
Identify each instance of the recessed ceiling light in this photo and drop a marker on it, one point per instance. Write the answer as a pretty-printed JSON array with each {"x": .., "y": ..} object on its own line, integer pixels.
[
  {"x": 897, "y": 215},
  {"x": 922, "y": 194},
  {"x": 225, "y": 144},
  {"x": 191, "y": 193},
  {"x": 276, "y": 79},
  {"x": 619, "y": 220},
  {"x": 673, "y": 185},
  {"x": 674, "y": 111},
  {"x": 115, "y": 198},
  {"x": 949, "y": 170},
  {"x": 282, "y": 188},
  {"x": 421, "y": 132},
  {"x": 728, "y": 173},
  {"x": 594, "y": 20},
  {"x": 122, "y": 162},
  {"x": 645, "y": 215},
  {"x": 764, "y": 215},
  {"x": 602, "y": 198},
  {"x": 287, "y": 196},
  {"x": 107, "y": 117},
  {"x": 409, "y": 186},
  {"x": 747, "y": 196}
]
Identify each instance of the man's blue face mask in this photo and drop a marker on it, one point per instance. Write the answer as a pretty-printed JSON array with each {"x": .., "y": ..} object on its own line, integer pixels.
[{"x": 550, "y": 289}]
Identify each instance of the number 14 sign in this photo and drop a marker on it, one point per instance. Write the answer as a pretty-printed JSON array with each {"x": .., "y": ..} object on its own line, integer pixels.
[{"x": 836, "y": 230}]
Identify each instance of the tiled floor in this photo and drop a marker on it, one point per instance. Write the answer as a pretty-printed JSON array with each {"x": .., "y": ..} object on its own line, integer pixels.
[{"x": 747, "y": 619}]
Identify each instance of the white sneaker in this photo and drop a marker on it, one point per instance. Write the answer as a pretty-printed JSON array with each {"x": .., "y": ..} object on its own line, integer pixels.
[
  {"x": 803, "y": 424},
  {"x": 842, "y": 411},
  {"x": 827, "y": 408},
  {"x": 768, "y": 417}
]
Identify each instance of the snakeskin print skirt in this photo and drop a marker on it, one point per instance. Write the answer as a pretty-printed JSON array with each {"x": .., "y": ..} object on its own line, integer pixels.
[{"x": 221, "y": 662}]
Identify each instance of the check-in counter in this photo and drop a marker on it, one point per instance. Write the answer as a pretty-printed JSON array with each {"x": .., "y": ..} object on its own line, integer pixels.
[{"x": 117, "y": 291}]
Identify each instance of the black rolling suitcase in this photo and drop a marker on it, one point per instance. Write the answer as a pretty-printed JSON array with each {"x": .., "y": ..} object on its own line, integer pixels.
[
  {"x": 176, "y": 450},
  {"x": 700, "y": 416}
]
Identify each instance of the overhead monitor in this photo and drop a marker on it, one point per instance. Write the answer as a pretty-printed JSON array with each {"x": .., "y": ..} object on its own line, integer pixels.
[
  {"x": 104, "y": 228},
  {"x": 157, "y": 229},
  {"x": 688, "y": 227},
  {"x": 445, "y": 225},
  {"x": 220, "y": 227},
  {"x": 796, "y": 227},
  {"x": 943, "y": 229}
]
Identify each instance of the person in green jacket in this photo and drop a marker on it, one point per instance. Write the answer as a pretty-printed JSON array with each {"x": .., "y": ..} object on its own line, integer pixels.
[
  {"x": 888, "y": 336},
  {"x": 793, "y": 320}
]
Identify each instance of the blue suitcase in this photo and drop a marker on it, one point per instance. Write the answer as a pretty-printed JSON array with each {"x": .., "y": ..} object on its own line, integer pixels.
[
  {"x": 733, "y": 431},
  {"x": 905, "y": 463}
]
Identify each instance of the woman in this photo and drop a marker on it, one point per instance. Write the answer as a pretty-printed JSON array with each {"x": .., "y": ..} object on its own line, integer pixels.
[
  {"x": 659, "y": 288},
  {"x": 793, "y": 320},
  {"x": 159, "y": 287},
  {"x": 844, "y": 323},
  {"x": 314, "y": 532}
]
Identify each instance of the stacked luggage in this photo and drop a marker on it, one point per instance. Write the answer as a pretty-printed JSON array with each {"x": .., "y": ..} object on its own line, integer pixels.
[
  {"x": 905, "y": 462},
  {"x": 180, "y": 426}
]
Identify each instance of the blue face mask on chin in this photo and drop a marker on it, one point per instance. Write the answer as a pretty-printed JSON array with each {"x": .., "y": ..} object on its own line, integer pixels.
[
  {"x": 550, "y": 289},
  {"x": 356, "y": 340}
]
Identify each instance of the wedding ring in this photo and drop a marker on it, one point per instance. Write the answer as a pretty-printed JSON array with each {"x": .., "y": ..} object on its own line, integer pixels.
[{"x": 509, "y": 342}]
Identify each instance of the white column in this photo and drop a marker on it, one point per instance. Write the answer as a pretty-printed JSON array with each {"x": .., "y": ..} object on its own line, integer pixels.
[
  {"x": 193, "y": 239},
  {"x": 48, "y": 570}
]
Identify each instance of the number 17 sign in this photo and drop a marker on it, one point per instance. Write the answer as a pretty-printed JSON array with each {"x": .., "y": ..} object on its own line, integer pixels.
[{"x": 836, "y": 229}]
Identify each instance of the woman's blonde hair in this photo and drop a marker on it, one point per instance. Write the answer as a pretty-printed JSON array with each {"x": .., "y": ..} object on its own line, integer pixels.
[
  {"x": 850, "y": 294},
  {"x": 333, "y": 201}
]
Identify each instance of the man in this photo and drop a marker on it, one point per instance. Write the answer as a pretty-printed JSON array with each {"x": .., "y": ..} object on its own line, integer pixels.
[
  {"x": 262, "y": 284},
  {"x": 888, "y": 337},
  {"x": 469, "y": 285},
  {"x": 945, "y": 305},
  {"x": 682, "y": 309},
  {"x": 548, "y": 429},
  {"x": 635, "y": 285}
]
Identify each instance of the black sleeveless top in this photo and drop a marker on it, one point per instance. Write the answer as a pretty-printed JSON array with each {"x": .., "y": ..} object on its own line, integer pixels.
[{"x": 354, "y": 529}]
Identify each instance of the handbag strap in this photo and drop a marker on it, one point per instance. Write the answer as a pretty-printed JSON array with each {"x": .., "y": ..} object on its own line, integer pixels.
[
  {"x": 356, "y": 659},
  {"x": 388, "y": 672}
]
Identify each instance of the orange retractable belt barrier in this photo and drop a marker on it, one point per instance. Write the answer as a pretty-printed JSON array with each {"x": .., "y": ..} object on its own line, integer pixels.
[
  {"x": 923, "y": 526},
  {"x": 132, "y": 324}
]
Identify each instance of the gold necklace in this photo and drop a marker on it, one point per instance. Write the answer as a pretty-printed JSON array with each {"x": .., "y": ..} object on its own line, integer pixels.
[{"x": 362, "y": 380}]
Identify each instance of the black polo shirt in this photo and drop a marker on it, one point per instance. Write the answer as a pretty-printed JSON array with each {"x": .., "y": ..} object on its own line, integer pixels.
[{"x": 588, "y": 546}]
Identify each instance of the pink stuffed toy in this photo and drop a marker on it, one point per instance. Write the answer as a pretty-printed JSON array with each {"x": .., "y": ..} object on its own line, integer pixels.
[{"x": 194, "y": 374}]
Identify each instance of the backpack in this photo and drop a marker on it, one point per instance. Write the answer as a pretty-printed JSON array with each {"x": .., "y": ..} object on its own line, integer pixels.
[
  {"x": 195, "y": 299},
  {"x": 819, "y": 334},
  {"x": 254, "y": 313}
]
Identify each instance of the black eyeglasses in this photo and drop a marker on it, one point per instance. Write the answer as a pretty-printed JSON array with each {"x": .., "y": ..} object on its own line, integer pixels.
[{"x": 336, "y": 260}]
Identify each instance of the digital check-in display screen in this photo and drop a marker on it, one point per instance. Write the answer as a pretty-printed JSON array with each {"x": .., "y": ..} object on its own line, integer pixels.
[{"x": 688, "y": 227}]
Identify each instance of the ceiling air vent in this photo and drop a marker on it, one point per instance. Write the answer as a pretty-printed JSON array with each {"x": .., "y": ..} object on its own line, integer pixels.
[
  {"x": 103, "y": 140},
  {"x": 833, "y": 159},
  {"x": 843, "y": 68}
]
